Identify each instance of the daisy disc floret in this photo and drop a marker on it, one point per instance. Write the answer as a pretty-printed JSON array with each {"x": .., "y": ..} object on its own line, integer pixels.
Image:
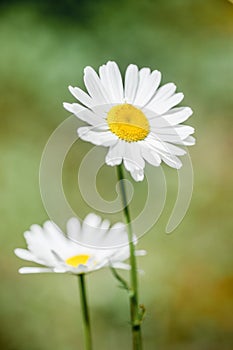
[
  {"x": 85, "y": 248},
  {"x": 136, "y": 119}
]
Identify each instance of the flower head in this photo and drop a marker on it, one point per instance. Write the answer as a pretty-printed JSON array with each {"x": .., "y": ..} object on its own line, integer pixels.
[
  {"x": 87, "y": 247},
  {"x": 136, "y": 120}
]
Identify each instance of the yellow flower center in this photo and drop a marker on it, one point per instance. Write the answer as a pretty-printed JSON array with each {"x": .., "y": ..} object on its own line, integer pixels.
[
  {"x": 128, "y": 122},
  {"x": 77, "y": 260}
]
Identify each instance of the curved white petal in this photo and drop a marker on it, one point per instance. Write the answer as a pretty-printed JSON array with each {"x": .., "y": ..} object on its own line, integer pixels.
[
  {"x": 26, "y": 270},
  {"x": 164, "y": 92},
  {"x": 171, "y": 160},
  {"x": 175, "y": 136},
  {"x": 177, "y": 115},
  {"x": 53, "y": 232},
  {"x": 137, "y": 174},
  {"x": 99, "y": 138},
  {"x": 116, "y": 236},
  {"x": 189, "y": 141},
  {"x": 105, "y": 225},
  {"x": 73, "y": 228},
  {"x": 172, "y": 149},
  {"x": 95, "y": 87},
  {"x": 182, "y": 131},
  {"x": 93, "y": 220},
  {"x": 86, "y": 115},
  {"x": 39, "y": 246},
  {"x": 162, "y": 150},
  {"x": 74, "y": 108},
  {"x": 148, "y": 84},
  {"x": 151, "y": 156},
  {"x": 133, "y": 160},
  {"x": 90, "y": 226},
  {"x": 162, "y": 106},
  {"x": 25, "y": 255},
  {"x": 82, "y": 96},
  {"x": 171, "y": 118},
  {"x": 131, "y": 83},
  {"x": 132, "y": 156},
  {"x": 111, "y": 78},
  {"x": 115, "y": 154}
]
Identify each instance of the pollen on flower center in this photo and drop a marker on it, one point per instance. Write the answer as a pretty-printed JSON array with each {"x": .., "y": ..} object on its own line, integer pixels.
[
  {"x": 77, "y": 260},
  {"x": 128, "y": 122}
]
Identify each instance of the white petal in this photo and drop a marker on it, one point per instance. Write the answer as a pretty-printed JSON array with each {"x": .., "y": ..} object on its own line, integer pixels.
[
  {"x": 178, "y": 115},
  {"x": 133, "y": 160},
  {"x": 189, "y": 141},
  {"x": 38, "y": 244},
  {"x": 25, "y": 254},
  {"x": 162, "y": 151},
  {"x": 60, "y": 269},
  {"x": 24, "y": 270},
  {"x": 73, "y": 228},
  {"x": 132, "y": 157},
  {"x": 155, "y": 144},
  {"x": 86, "y": 115},
  {"x": 92, "y": 221},
  {"x": 37, "y": 230},
  {"x": 171, "y": 136},
  {"x": 82, "y": 96},
  {"x": 90, "y": 230},
  {"x": 171, "y": 118},
  {"x": 116, "y": 236},
  {"x": 131, "y": 83},
  {"x": 164, "y": 92},
  {"x": 171, "y": 139},
  {"x": 122, "y": 253},
  {"x": 43, "y": 244},
  {"x": 162, "y": 106},
  {"x": 181, "y": 131},
  {"x": 95, "y": 87},
  {"x": 103, "y": 230},
  {"x": 151, "y": 156},
  {"x": 157, "y": 121},
  {"x": 137, "y": 174},
  {"x": 174, "y": 149},
  {"x": 172, "y": 161},
  {"x": 148, "y": 84},
  {"x": 105, "y": 225},
  {"x": 118, "y": 226},
  {"x": 114, "y": 155},
  {"x": 52, "y": 230},
  {"x": 105, "y": 138},
  {"x": 74, "y": 108},
  {"x": 111, "y": 78}
]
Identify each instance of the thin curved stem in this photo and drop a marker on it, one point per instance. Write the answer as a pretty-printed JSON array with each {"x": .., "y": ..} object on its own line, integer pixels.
[
  {"x": 85, "y": 312},
  {"x": 134, "y": 306}
]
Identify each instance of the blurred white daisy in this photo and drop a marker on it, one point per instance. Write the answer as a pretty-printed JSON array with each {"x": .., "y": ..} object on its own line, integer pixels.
[
  {"x": 49, "y": 247},
  {"x": 136, "y": 120}
]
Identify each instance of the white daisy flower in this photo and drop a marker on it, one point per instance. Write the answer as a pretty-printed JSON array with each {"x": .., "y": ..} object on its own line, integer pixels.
[
  {"x": 49, "y": 247},
  {"x": 135, "y": 119}
]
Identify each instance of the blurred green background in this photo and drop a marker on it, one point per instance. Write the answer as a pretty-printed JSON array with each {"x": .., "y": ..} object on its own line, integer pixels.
[{"x": 187, "y": 287}]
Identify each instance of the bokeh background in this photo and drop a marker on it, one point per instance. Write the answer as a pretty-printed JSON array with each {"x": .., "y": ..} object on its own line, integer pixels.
[{"x": 187, "y": 287}]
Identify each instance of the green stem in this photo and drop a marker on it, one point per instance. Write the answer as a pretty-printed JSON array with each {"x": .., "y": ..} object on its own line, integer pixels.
[
  {"x": 85, "y": 312},
  {"x": 134, "y": 307}
]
